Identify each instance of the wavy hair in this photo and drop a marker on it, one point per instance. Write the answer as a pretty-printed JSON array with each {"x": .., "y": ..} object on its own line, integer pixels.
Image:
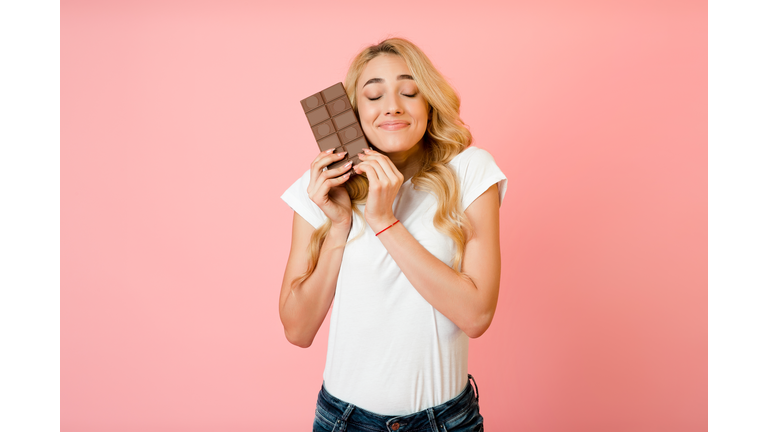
[{"x": 446, "y": 136}]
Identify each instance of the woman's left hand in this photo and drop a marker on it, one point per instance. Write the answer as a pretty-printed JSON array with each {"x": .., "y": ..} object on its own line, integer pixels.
[{"x": 384, "y": 181}]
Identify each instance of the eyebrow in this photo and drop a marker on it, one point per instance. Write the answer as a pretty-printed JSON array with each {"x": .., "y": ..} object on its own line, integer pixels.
[{"x": 381, "y": 80}]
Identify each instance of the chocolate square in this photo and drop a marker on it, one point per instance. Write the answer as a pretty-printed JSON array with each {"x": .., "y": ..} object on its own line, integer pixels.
[
  {"x": 323, "y": 129},
  {"x": 329, "y": 142},
  {"x": 312, "y": 102},
  {"x": 317, "y": 115},
  {"x": 338, "y": 106},
  {"x": 356, "y": 146},
  {"x": 350, "y": 133},
  {"x": 333, "y": 92},
  {"x": 345, "y": 119}
]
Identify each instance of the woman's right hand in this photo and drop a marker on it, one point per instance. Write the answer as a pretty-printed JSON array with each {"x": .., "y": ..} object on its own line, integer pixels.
[{"x": 326, "y": 188}]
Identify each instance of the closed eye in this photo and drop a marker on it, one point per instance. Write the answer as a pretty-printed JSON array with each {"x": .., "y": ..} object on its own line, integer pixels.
[{"x": 406, "y": 95}]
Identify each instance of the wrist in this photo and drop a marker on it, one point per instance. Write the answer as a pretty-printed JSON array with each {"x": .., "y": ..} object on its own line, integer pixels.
[
  {"x": 342, "y": 227},
  {"x": 380, "y": 224}
]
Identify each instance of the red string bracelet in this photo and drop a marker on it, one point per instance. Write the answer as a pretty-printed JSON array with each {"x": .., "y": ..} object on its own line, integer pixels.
[{"x": 377, "y": 234}]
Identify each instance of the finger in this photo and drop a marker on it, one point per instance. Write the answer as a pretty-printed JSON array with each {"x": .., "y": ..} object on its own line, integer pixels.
[
  {"x": 316, "y": 169},
  {"x": 336, "y": 181},
  {"x": 383, "y": 177},
  {"x": 395, "y": 171},
  {"x": 383, "y": 169},
  {"x": 335, "y": 172},
  {"x": 316, "y": 166},
  {"x": 377, "y": 179},
  {"x": 323, "y": 160},
  {"x": 370, "y": 172},
  {"x": 324, "y": 187},
  {"x": 320, "y": 157},
  {"x": 319, "y": 187},
  {"x": 389, "y": 167}
]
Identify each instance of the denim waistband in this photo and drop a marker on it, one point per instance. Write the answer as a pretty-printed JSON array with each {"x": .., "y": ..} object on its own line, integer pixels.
[{"x": 422, "y": 420}]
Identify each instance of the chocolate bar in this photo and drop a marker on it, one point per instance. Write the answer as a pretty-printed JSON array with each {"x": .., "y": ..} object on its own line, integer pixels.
[{"x": 335, "y": 125}]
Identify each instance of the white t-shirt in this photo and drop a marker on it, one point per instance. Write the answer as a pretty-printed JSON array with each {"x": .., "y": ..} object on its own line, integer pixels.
[{"x": 389, "y": 351}]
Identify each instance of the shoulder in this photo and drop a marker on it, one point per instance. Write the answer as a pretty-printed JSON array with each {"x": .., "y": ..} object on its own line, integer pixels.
[
  {"x": 476, "y": 170},
  {"x": 297, "y": 198},
  {"x": 471, "y": 158},
  {"x": 299, "y": 187},
  {"x": 304, "y": 179}
]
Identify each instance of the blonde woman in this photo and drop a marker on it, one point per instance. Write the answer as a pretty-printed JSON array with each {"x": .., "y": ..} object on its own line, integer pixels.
[{"x": 408, "y": 250}]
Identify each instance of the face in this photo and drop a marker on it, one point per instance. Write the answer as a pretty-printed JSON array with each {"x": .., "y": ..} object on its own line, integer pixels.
[{"x": 392, "y": 110}]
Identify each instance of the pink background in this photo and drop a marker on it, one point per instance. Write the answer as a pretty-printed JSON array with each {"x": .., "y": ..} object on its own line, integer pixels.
[{"x": 181, "y": 127}]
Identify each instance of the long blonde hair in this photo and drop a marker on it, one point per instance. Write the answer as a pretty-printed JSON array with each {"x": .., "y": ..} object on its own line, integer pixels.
[{"x": 446, "y": 136}]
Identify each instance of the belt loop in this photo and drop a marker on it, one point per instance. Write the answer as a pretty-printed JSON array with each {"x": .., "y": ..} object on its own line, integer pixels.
[
  {"x": 477, "y": 392},
  {"x": 345, "y": 416},
  {"x": 431, "y": 414}
]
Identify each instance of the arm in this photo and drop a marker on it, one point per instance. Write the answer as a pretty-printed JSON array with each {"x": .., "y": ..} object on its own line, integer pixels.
[
  {"x": 304, "y": 307},
  {"x": 470, "y": 301}
]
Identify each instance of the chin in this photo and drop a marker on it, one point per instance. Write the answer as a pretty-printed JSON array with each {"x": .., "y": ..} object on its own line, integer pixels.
[{"x": 395, "y": 147}]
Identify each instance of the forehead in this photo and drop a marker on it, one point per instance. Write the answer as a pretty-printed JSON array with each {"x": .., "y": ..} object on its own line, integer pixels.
[{"x": 386, "y": 66}]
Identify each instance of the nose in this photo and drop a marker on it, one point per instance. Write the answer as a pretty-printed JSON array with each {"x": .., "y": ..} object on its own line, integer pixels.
[{"x": 394, "y": 107}]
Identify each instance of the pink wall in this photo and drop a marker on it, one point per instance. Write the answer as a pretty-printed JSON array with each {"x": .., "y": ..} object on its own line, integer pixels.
[{"x": 181, "y": 127}]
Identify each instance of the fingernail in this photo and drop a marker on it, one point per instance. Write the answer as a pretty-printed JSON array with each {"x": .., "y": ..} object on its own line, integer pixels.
[
  {"x": 366, "y": 150},
  {"x": 348, "y": 164},
  {"x": 329, "y": 151},
  {"x": 341, "y": 154}
]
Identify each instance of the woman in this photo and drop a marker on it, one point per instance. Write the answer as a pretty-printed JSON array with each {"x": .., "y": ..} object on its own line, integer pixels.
[{"x": 408, "y": 250}]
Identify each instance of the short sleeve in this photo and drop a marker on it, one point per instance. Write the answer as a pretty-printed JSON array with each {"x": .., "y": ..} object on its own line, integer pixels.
[
  {"x": 477, "y": 171},
  {"x": 298, "y": 199}
]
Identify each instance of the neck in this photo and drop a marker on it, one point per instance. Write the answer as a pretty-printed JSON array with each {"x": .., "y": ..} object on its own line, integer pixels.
[{"x": 407, "y": 162}]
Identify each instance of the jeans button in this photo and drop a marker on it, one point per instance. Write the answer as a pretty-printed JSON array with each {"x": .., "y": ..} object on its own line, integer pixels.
[{"x": 395, "y": 426}]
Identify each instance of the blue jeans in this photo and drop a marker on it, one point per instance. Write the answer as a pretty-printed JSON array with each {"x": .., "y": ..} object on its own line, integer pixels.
[{"x": 460, "y": 414}]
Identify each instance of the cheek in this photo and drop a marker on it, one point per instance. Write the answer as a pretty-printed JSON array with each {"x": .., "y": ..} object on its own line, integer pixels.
[
  {"x": 367, "y": 118},
  {"x": 420, "y": 110},
  {"x": 367, "y": 115}
]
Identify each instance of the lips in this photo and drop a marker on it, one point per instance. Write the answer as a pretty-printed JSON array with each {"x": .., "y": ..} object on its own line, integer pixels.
[{"x": 393, "y": 125}]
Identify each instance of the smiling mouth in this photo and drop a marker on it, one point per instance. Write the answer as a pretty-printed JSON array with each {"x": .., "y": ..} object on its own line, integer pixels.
[{"x": 392, "y": 126}]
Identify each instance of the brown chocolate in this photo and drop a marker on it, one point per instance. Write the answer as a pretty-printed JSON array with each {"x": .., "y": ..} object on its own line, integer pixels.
[{"x": 334, "y": 124}]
